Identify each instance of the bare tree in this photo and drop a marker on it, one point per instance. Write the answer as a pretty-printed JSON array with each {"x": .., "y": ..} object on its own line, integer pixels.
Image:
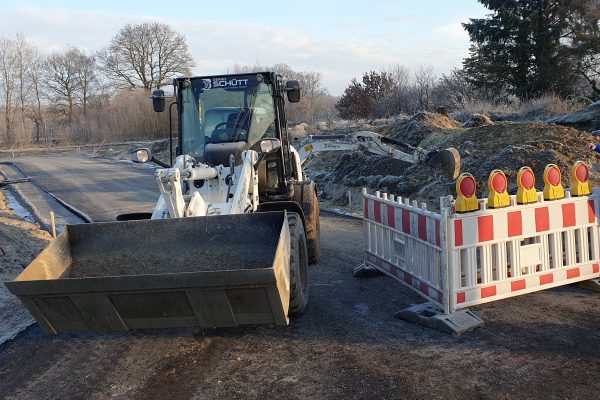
[
  {"x": 453, "y": 90},
  {"x": 424, "y": 84},
  {"x": 314, "y": 95},
  {"x": 8, "y": 83},
  {"x": 86, "y": 74},
  {"x": 67, "y": 76},
  {"x": 36, "y": 114},
  {"x": 145, "y": 55},
  {"x": 399, "y": 97}
]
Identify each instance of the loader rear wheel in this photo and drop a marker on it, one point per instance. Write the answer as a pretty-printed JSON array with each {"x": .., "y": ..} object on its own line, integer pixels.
[
  {"x": 313, "y": 229},
  {"x": 306, "y": 195},
  {"x": 298, "y": 266}
]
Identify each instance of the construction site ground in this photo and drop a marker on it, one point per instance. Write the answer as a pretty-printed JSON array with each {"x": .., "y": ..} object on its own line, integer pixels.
[
  {"x": 347, "y": 345},
  {"x": 543, "y": 345}
]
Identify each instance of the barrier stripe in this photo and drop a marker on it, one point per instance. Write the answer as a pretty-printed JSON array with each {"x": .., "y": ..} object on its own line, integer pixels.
[
  {"x": 488, "y": 291},
  {"x": 391, "y": 217},
  {"x": 377, "y": 211},
  {"x": 518, "y": 285},
  {"x": 542, "y": 219},
  {"x": 573, "y": 273},
  {"x": 413, "y": 282},
  {"x": 546, "y": 279},
  {"x": 525, "y": 284},
  {"x": 471, "y": 230},
  {"x": 515, "y": 223},
  {"x": 422, "y": 227},
  {"x": 486, "y": 228},
  {"x": 406, "y": 221},
  {"x": 568, "y": 214},
  {"x": 458, "y": 233}
]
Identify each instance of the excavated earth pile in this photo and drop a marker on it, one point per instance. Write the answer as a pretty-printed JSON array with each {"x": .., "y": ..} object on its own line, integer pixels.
[{"x": 502, "y": 145}]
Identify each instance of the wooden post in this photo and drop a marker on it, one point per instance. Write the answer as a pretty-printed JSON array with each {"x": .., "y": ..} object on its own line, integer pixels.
[{"x": 53, "y": 224}]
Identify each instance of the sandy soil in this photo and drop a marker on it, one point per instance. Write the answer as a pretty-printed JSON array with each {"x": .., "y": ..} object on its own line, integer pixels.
[{"x": 20, "y": 242}]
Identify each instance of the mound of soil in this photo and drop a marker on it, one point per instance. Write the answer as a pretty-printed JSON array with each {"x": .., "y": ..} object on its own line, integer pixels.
[
  {"x": 478, "y": 120},
  {"x": 505, "y": 145},
  {"x": 413, "y": 130}
]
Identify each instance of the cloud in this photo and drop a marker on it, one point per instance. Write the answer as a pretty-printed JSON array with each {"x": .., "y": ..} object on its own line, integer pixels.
[
  {"x": 217, "y": 46},
  {"x": 454, "y": 30}
]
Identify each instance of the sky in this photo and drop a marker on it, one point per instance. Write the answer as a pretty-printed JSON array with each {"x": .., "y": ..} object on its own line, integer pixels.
[{"x": 339, "y": 39}]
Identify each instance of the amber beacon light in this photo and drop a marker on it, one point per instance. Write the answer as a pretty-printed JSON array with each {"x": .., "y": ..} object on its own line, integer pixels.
[
  {"x": 580, "y": 185},
  {"x": 526, "y": 192},
  {"x": 466, "y": 200},
  {"x": 553, "y": 189},
  {"x": 497, "y": 185}
]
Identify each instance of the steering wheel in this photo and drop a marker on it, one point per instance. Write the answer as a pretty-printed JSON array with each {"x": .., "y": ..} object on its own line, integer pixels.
[
  {"x": 225, "y": 130},
  {"x": 221, "y": 125}
]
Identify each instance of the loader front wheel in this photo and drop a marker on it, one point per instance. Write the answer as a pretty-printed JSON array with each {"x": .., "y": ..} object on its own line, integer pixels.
[{"x": 298, "y": 266}]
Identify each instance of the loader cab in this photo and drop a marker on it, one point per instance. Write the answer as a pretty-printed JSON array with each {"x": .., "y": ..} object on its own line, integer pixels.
[{"x": 231, "y": 113}]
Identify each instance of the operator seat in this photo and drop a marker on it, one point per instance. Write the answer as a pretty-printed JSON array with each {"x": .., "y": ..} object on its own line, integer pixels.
[{"x": 240, "y": 119}]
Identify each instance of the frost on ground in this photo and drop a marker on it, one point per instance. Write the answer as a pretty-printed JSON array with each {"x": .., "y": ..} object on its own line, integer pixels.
[{"x": 20, "y": 242}]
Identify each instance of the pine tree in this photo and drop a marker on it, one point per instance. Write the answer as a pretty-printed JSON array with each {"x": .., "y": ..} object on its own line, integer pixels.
[{"x": 532, "y": 47}]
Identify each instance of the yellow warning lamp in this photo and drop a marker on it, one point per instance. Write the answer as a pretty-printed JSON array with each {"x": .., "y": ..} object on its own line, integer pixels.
[
  {"x": 526, "y": 192},
  {"x": 553, "y": 189},
  {"x": 465, "y": 194},
  {"x": 497, "y": 185},
  {"x": 580, "y": 174}
]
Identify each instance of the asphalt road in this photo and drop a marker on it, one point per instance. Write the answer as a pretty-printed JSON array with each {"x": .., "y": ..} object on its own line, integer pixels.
[
  {"x": 347, "y": 345},
  {"x": 102, "y": 189}
]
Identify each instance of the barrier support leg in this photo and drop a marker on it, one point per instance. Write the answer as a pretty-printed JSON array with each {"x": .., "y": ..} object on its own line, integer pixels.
[
  {"x": 432, "y": 316},
  {"x": 591, "y": 284},
  {"x": 363, "y": 270}
]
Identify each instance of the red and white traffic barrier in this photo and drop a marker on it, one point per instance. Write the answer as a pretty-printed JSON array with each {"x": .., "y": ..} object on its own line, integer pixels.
[
  {"x": 405, "y": 241},
  {"x": 500, "y": 253},
  {"x": 458, "y": 260}
]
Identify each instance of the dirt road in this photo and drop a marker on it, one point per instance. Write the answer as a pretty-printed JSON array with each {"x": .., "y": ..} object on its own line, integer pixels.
[{"x": 347, "y": 346}]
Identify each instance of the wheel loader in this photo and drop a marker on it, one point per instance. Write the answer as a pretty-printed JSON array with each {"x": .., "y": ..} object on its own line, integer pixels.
[{"x": 228, "y": 242}]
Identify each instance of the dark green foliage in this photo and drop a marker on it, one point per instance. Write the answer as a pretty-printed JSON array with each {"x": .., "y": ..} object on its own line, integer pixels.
[{"x": 533, "y": 47}]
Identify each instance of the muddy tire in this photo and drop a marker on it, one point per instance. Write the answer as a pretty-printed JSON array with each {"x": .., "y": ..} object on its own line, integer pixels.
[
  {"x": 313, "y": 230},
  {"x": 298, "y": 266},
  {"x": 306, "y": 196}
]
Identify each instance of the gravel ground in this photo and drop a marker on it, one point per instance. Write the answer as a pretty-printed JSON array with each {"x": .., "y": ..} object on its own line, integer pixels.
[{"x": 346, "y": 346}]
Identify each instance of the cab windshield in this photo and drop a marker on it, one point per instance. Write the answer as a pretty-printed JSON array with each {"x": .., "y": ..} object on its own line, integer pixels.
[{"x": 225, "y": 109}]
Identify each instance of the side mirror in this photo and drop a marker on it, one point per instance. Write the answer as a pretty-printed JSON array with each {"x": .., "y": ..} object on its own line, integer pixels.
[
  {"x": 269, "y": 145},
  {"x": 141, "y": 156},
  {"x": 158, "y": 100},
  {"x": 293, "y": 91}
]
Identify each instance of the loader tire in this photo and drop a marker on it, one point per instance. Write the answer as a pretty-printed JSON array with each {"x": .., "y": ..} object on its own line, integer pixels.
[
  {"x": 307, "y": 197},
  {"x": 298, "y": 266},
  {"x": 313, "y": 230}
]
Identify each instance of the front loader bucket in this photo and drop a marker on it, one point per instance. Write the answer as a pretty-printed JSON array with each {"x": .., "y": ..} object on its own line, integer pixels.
[{"x": 218, "y": 271}]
